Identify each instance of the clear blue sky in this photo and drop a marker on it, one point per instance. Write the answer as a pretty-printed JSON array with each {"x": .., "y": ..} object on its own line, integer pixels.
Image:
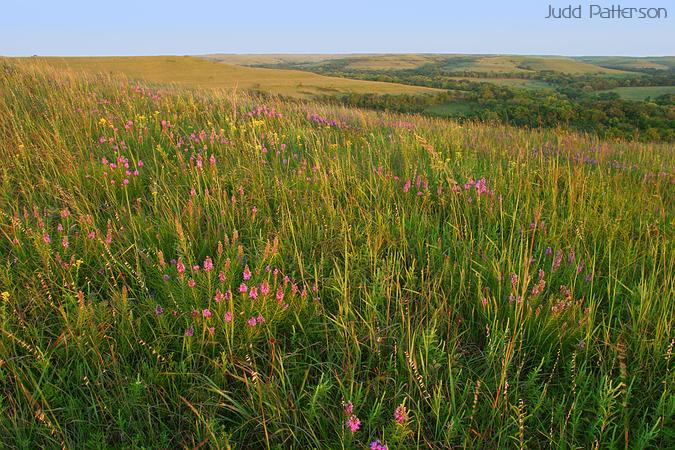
[{"x": 139, "y": 27}]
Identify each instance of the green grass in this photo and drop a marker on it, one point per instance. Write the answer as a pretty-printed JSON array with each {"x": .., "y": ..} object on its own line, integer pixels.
[
  {"x": 632, "y": 63},
  {"x": 197, "y": 72},
  {"x": 642, "y": 92},
  {"x": 451, "y": 109},
  {"x": 414, "y": 286}
]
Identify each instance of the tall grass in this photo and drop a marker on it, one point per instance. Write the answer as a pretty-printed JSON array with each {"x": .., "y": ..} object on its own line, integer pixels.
[{"x": 508, "y": 288}]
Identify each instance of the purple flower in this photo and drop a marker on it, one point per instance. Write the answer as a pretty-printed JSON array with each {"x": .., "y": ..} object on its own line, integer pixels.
[
  {"x": 377, "y": 445},
  {"x": 159, "y": 310},
  {"x": 190, "y": 331}
]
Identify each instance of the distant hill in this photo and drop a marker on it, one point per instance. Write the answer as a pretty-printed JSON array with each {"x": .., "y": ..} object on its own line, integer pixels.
[{"x": 494, "y": 64}]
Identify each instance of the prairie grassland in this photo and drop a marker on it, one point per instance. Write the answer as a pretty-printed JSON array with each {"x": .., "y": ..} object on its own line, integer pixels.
[
  {"x": 184, "y": 268},
  {"x": 639, "y": 93},
  {"x": 478, "y": 63},
  {"x": 513, "y": 63},
  {"x": 197, "y": 72}
]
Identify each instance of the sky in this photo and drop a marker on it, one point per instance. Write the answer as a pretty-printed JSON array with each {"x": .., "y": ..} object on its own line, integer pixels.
[{"x": 140, "y": 27}]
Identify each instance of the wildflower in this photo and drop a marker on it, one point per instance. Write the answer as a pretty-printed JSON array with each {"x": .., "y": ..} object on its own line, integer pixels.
[
  {"x": 280, "y": 295},
  {"x": 195, "y": 268},
  {"x": 549, "y": 251},
  {"x": 400, "y": 414},
  {"x": 180, "y": 267},
  {"x": 243, "y": 288},
  {"x": 348, "y": 407},
  {"x": 192, "y": 283},
  {"x": 206, "y": 313},
  {"x": 484, "y": 302},
  {"x": 580, "y": 267},
  {"x": 219, "y": 296},
  {"x": 190, "y": 331},
  {"x": 47, "y": 239},
  {"x": 514, "y": 279},
  {"x": 125, "y": 181},
  {"x": 247, "y": 273},
  {"x": 140, "y": 163},
  {"x": 260, "y": 319},
  {"x": 64, "y": 242},
  {"x": 166, "y": 277},
  {"x": 264, "y": 288},
  {"x": 406, "y": 186},
  {"x": 570, "y": 257},
  {"x": 252, "y": 322},
  {"x": 5, "y": 296},
  {"x": 208, "y": 264},
  {"x": 354, "y": 423},
  {"x": 221, "y": 277},
  {"x": 228, "y": 317},
  {"x": 377, "y": 445},
  {"x": 253, "y": 293},
  {"x": 212, "y": 330},
  {"x": 557, "y": 260},
  {"x": 91, "y": 235},
  {"x": 159, "y": 310}
]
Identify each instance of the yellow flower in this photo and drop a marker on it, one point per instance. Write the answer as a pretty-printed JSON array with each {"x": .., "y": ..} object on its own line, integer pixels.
[
  {"x": 78, "y": 263},
  {"x": 5, "y": 296},
  {"x": 21, "y": 146},
  {"x": 103, "y": 121}
]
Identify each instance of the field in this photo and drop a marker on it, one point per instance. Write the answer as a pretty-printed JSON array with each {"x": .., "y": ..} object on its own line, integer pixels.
[
  {"x": 191, "y": 268},
  {"x": 201, "y": 73},
  {"x": 496, "y": 64},
  {"x": 640, "y": 93},
  {"x": 632, "y": 63}
]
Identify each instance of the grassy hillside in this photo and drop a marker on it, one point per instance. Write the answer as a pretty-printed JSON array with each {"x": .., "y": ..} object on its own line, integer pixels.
[
  {"x": 198, "y": 72},
  {"x": 632, "y": 63},
  {"x": 639, "y": 93},
  {"x": 496, "y": 64},
  {"x": 183, "y": 268}
]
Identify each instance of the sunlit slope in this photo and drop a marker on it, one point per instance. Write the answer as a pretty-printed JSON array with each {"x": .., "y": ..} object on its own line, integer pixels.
[{"x": 203, "y": 73}]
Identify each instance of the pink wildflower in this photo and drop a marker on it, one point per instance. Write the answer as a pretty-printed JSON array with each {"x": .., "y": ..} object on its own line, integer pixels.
[
  {"x": 264, "y": 288},
  {"x": 400, "y": 414},
  {"x": 228, "y": 317},
  {"x": 247, "y": 273},
  {"x": 208, "y": 264},
  {"x": 353, "y": 423}
]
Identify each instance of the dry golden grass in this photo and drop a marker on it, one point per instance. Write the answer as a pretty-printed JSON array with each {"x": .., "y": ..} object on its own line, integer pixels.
[{"x": 202, "y": 73}]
